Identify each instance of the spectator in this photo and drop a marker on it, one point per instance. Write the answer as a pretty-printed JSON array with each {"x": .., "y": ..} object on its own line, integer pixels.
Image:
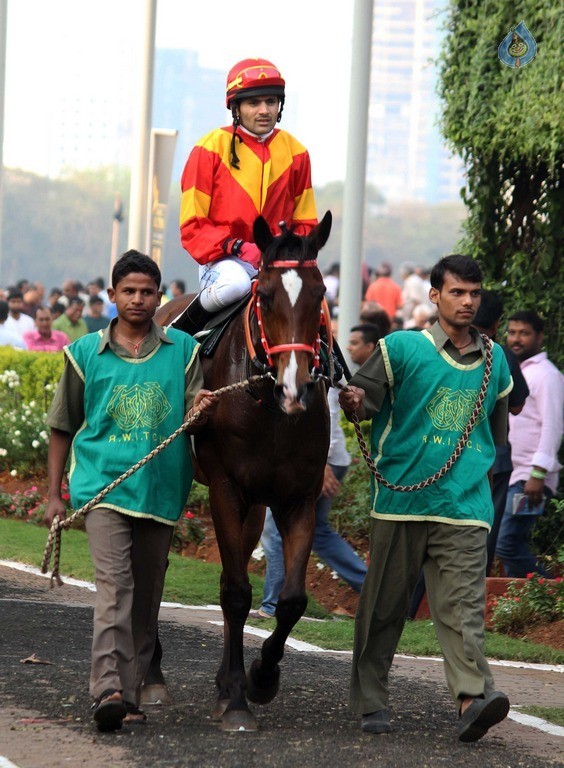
[
  {"x": 57, "y": 309},
  {"x": 332, "y": 281},
  {"x": 44, "y": 338},
  {"x": 7, "y": 337},
  {"x": 420, "y": 318},
  {"x": 535, "y": 437},
  {"x": 176, "y": 288},
  {"x": 385, "y": 291},
  {"x": 71, "y": 322},
  {"x": 54, "y": 296},
  {"x": 371, "y": 312},
  {"x": 33, "y": 298},
  {"x": 362, "y": 342},
  {"x": 413, "y": 292},
  {"x": 96, "y": 320},
  {"x": 17, "y": 322}
]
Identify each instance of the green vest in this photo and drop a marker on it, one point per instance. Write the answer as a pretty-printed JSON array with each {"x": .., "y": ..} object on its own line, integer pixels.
[
  {"x": 430, "y": 400},
  {"x": 131, "y": 405}
]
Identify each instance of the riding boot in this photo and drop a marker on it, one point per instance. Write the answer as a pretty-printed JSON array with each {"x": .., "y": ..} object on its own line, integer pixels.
[{"x": 194, "y": 317}]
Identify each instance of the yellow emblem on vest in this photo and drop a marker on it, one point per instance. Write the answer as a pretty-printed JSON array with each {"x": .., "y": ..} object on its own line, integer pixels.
[
  {"x": 141, "y": 405},
  {"x": 451, "y": 409}
]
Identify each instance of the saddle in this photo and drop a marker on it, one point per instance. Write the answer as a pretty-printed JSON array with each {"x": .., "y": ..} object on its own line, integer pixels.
[{"x": 212, "y": 333}]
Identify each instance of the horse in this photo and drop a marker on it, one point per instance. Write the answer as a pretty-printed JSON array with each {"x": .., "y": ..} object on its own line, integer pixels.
[{"x": 266, "y": 445}]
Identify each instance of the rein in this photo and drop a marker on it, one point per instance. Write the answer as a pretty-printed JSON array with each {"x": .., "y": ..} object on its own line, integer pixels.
[
  {"x": 276, "y": 349},
  {"x": 54, "y": 537}
]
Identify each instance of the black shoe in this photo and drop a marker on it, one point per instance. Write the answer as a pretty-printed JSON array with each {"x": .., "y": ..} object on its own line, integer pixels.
[
  {"x": 109, "y": 710},
  {"x": 376, "y": 722},
  {"x": 481, "y": 715},
  {"x": 194, "y": 317}
]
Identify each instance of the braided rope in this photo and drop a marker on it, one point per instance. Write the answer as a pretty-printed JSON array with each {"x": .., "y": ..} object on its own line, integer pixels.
[
  {"x": 463, "y": 439},
  {"x": 53, "y": 545}
]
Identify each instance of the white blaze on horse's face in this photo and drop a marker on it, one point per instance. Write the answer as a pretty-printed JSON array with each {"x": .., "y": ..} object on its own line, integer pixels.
[
  {"x": 290, "y": 382},
  {"x": 292, "y": 282}
]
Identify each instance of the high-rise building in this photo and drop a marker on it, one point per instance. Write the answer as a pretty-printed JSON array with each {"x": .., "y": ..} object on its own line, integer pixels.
[{"x": 407, "y": 157}]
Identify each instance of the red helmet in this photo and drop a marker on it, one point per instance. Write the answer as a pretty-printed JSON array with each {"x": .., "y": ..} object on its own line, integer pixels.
[{"x": 253, "y": 77}]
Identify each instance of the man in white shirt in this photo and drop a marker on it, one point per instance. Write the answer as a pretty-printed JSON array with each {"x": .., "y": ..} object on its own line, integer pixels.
[
  {"x": 18, "y": 322},
  {"x": 535, "y": 435}
]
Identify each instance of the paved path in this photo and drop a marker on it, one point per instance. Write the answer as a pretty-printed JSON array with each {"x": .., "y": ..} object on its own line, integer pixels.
[{"x": 44, "y": 719}]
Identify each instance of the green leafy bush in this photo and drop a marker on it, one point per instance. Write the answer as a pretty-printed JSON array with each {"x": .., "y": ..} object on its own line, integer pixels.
[
  {"x": 38, "y": 373},
  {"x": 536, "y": 600},
  {"x": 23, "y": 435}
]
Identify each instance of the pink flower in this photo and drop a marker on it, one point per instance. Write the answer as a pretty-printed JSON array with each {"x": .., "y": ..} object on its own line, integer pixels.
[
  {"x": 542, "y": 581},
  {"x": 530, "y": 575},
  {"x": 189, "y": 515}
]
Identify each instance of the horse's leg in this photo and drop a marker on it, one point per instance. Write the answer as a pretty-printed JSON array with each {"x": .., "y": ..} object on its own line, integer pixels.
[
  {"x": 235, "y": 601},
  {"x": 296, "y": 529}
]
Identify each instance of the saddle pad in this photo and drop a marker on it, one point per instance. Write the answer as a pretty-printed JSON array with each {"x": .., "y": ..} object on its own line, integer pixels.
[{"x": 210, "y": 337}]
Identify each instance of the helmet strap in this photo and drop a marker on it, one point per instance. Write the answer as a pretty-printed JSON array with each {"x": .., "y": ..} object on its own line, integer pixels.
[{"x": 236, "y": 122}]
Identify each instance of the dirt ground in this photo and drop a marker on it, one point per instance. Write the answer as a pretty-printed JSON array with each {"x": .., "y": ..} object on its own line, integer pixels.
[{"x": 45, "y": 720}]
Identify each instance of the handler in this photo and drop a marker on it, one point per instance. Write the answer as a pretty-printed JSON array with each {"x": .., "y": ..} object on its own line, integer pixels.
[
  {"x": 420, "y": 390},
  {"x": 233, "y": 175},
  {"x": 122, "y": 392}
]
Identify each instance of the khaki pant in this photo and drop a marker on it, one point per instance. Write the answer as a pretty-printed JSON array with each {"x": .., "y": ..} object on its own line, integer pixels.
[
  {"x": 129, "y": 555},
  {"x": 454, "y": 562}
]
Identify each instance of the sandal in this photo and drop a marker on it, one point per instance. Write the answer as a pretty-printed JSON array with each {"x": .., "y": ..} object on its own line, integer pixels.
[
  {"x": 109, "y": 710},
  {"x": 134, "y": 716}
]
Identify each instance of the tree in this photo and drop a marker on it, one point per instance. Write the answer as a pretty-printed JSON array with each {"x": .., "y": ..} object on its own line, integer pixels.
[{"x": 506, "y": 123}]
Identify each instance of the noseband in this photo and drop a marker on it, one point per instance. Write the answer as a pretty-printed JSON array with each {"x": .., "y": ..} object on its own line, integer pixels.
[{"x": 270, "y": 351}]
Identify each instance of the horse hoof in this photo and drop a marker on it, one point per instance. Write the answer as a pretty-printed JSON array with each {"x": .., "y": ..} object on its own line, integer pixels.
[
  {"x": 262, "y": 691},
  {"x": 238, "y": 720},
  {"x": 219, "y": 708},
  {"x": 155, "y": 694}
]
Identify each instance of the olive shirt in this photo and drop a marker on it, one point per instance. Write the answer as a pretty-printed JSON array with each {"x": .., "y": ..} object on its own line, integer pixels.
[
  {"x": 423, "y": 401},
  {"x": 67, "y": 409}
]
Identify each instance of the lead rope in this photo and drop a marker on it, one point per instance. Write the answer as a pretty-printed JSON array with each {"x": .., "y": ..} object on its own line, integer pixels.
[
  {"x": 459, "y": 446},
  {"x": 53, "y": 545}
]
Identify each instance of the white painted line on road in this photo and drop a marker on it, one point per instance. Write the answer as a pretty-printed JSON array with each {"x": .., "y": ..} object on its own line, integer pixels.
[
  {"x": 37, "y": 572},
  {"x": 5, "y": 763},
  {"x": 536, "y": 722},
  {"x": 297, "y": 644}
]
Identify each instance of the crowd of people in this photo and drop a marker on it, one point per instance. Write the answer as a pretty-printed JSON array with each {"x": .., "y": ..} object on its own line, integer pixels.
[
  {"x": 31, "y": 319},
  {"x": 418, "y": 389}
]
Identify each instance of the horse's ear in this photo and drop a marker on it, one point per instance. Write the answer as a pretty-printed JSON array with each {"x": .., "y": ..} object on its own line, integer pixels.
[
  {"x": 262, "y": 234},
  {"x": 320, "y": 233}
]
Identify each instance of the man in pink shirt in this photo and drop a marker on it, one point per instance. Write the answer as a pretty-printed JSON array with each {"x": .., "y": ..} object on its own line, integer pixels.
[
  {"x": 44, "y": 338},
  {"x": 535, "y": 435},
  {"x": 384, "y": 291}
]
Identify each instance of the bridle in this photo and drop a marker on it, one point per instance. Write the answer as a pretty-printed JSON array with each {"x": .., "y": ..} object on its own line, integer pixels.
[{"x": 272, "y": 350}]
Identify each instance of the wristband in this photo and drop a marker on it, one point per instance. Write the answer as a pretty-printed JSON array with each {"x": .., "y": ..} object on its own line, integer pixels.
[
  {"x": 538, "y": 474},
  {"x": 236, "y": 247}
]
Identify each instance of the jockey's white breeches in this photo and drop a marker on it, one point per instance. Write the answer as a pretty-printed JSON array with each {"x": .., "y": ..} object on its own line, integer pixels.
[{"x": 224, "y": 282}]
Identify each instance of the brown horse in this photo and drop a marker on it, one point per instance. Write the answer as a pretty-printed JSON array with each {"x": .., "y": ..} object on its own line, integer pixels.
[{"x": 266, "y": 445}]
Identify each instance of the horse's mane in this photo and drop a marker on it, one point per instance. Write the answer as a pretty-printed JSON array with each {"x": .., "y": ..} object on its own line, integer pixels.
[{"x": 288, "y": 246}]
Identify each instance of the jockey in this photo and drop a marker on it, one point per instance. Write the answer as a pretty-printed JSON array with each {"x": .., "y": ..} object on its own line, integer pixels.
[{"x": 233, "y": 175}]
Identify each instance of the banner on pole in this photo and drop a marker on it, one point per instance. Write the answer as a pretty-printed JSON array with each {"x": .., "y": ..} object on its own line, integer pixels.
[{"x": 163, "y": 145}]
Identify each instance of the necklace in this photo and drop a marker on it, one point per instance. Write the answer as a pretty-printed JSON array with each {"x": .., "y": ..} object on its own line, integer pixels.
[
  {"x": 135, "y": 344},
  {"x": 463, "y": 346}
]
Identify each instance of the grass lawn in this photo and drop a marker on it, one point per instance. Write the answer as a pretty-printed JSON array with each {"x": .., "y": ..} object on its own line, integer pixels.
[{"x": 194, "y": 582}]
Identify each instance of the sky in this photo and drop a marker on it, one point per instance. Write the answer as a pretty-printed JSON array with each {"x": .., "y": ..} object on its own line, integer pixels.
[{"x": 58, "y": 47}]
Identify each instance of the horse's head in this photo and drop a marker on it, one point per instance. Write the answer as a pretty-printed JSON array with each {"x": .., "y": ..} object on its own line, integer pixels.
[{"x": 288, "y": 303}]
